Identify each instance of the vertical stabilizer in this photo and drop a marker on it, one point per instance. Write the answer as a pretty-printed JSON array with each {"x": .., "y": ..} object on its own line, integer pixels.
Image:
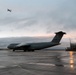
[{"x": 58, "y": 37}]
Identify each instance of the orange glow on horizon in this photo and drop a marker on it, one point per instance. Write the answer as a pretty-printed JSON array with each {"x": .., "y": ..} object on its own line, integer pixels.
[
  {"x": 71, "y": 35},
  {"x": 44, "y": 35},
  {"x": 27, "y": 34}
]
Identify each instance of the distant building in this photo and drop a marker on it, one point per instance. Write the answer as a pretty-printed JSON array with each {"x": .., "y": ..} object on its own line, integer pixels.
[{"x": 72, "y": 47}]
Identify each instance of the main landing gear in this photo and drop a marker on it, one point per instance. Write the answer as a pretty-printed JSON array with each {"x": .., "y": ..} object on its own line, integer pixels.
[
  {"x": 26, "y": 50},
  {"x": 13, "y": 50},
  {"x": 29, "y": 50}
]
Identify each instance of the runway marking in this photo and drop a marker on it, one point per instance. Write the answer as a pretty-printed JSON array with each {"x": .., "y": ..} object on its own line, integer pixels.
[
  {"x": 43, "y": 64},
  {"x": 47, "y": 64},
  {"x": 14, "y": 66},
  {"x": 8, "y": 66},
  {"x": 2, "y": 66}
]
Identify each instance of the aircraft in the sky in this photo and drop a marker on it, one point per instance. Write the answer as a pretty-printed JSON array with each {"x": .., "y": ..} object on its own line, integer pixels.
[
  {"x": 9, "y": 10},
  {"x": 38, "y": 46}
]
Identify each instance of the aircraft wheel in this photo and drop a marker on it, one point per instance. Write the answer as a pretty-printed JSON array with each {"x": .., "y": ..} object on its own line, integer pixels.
[
  {"x": 24, "y": 50},
  {"x": 32, "y": 50},
  {"x": 13, "y": 50}
]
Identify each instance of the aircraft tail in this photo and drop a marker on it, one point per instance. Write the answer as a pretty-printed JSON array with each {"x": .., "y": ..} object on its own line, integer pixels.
[{"x": 58, "y": 37}]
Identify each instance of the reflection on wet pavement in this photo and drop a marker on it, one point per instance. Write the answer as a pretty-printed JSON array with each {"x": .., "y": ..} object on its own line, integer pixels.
[
  {"x": 71, "y": 59},
  {"x": 48, "y": 62}
]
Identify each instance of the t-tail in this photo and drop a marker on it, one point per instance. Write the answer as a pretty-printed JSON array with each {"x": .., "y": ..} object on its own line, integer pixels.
[{"x": 58, "y": 37}]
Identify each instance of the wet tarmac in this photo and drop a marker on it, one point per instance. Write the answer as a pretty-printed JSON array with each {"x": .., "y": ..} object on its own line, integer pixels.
[{"x": 42, "y": 62}]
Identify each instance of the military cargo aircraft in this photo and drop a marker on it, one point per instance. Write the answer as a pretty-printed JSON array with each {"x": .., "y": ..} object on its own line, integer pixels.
[
  {"x": 9, "y": 10},
  {"x": 37, "y": 46}
]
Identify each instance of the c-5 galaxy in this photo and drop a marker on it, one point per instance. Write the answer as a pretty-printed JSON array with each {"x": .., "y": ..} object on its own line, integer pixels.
[{"x": 38, "y": 46}]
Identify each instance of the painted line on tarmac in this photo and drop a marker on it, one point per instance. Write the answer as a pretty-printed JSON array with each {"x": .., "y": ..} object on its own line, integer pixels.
[
  {"x": 43, "y": 64},
  {"x": 2, "y": 66},
  {"x": 8, "y": 66},
  {"x": 48, "y": 64}
]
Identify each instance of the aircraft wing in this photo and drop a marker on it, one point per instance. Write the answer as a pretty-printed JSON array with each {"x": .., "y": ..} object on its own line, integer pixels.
[{"x": 22, "y": 46}]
